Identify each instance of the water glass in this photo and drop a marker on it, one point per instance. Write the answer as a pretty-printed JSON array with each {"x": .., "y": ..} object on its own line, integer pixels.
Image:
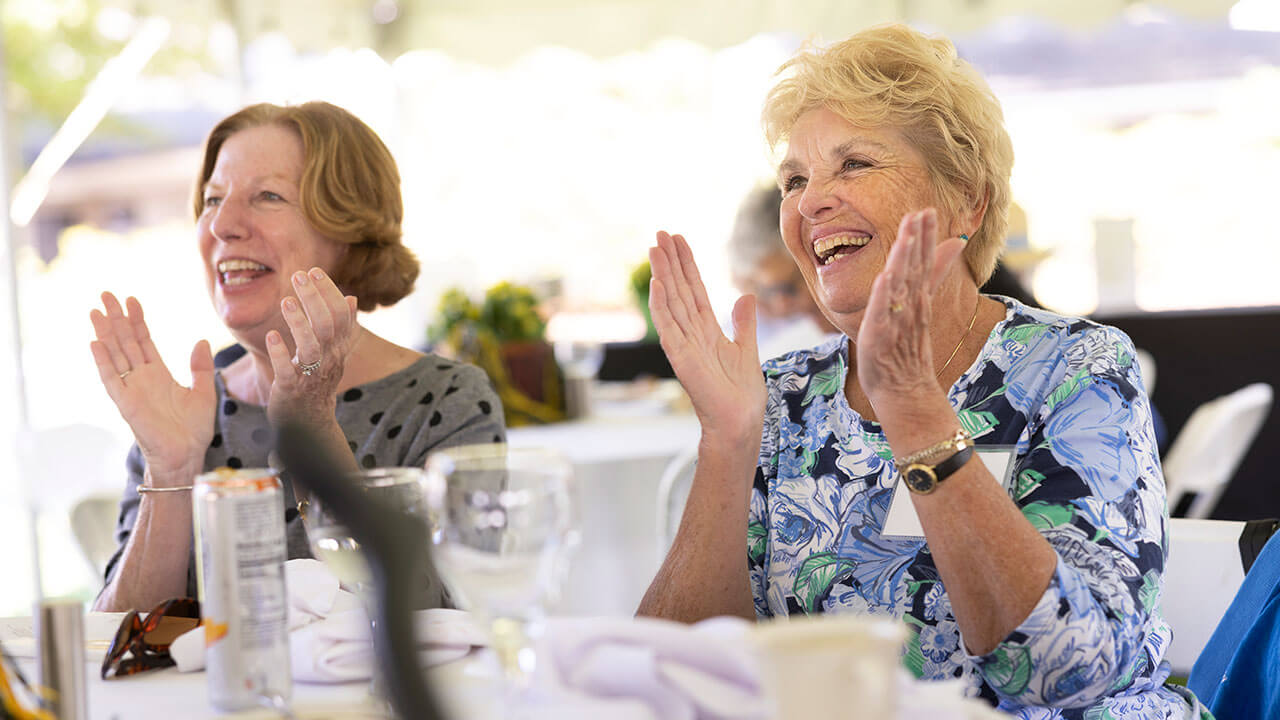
[
  {"x": 503, "y": 529},
  {"x": 403, "y": 488}
]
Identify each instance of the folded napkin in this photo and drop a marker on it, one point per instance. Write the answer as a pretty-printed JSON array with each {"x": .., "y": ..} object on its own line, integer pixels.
[
  {"x": 706, "y": 671},
  {"x": 700, "y": 672},
  {"x": 330, "y": 638},
  {"x": 339, "y": 648}
]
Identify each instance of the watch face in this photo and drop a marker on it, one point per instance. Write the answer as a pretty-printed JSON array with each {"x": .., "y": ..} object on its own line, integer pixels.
[{"x": 920, "y": 479}]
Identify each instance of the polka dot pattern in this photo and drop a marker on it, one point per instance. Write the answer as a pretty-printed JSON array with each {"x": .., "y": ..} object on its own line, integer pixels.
[{"x": 394, "y": 421}]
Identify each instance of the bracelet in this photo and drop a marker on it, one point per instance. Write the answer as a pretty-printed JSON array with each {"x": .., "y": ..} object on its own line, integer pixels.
[
  {"x": 956, "y": 441},
  {"x": 148, "y": 489}
]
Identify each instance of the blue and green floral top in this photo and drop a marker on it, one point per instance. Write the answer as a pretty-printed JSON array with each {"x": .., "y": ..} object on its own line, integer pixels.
[{"x": 1066, "y": 395}]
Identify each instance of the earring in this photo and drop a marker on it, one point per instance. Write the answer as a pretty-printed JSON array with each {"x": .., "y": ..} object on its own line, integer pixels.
[{"x": 964, "y": 237}]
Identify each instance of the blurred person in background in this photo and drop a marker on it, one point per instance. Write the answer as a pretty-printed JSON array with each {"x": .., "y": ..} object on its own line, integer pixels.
[
  {"x": 298, "y": 213},
  {"x": 787, "y": 318},
  {"x": 1039, "y": 595}
]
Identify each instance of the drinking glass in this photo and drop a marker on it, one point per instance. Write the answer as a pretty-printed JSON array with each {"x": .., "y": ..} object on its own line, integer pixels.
[
  {"x": 503, "y": 529},
  {"x": 579, "y": 359},
  {"x": 580, "y": 362},
  {"x": 403, "y": 488}
]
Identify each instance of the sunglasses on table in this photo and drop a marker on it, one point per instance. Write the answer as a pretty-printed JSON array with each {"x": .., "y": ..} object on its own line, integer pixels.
[{"x": 142, "y": 642}]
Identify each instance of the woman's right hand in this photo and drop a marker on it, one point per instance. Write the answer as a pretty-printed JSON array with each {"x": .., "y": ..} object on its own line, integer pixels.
[
  {"x": 721, "y": 376},
  {"x": 172, "y": 424}
]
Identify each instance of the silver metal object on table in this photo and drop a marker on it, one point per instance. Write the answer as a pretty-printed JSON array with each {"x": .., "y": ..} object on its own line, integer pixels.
[{"x": 60, "y": 643}]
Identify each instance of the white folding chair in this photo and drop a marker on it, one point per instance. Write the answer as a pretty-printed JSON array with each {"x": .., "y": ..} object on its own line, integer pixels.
[
  {"x": 60, "y": 467},
  {"x": 93, "y": 522},
  {"x": 1201, "y": 576},
  {"x": 1209, "y": 448},
  {"x": 1147, "y": 366},
  {"x": 673, "y": 493}
]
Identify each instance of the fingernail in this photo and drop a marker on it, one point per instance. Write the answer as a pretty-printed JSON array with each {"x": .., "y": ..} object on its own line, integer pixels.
[
  {"x": 273, "y": 338},
  {"x": 317, "y": 273},
  {"x": 290, "y": 304},
  {"x": 299, "y": 278}
]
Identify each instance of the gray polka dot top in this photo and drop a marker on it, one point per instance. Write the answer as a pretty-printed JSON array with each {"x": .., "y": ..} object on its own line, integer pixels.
[{"x": 392, "y": 422}]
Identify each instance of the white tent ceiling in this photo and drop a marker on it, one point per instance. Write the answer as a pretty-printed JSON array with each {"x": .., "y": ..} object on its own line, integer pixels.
[{"x": 498, "y": 31}]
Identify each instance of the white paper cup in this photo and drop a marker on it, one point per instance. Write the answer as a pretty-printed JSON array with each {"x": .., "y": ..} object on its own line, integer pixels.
[{"x": 831, "y": 666}]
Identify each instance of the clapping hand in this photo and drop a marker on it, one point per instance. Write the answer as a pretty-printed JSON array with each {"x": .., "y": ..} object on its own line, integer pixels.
[
  {"x": 893, "y": 349},
  {"x": 721, "y": 376},
  {"x": 172, "y": 424},
  {"x": 323, "y": 326}
]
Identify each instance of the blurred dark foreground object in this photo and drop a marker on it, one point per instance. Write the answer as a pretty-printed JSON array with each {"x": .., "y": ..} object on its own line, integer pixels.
[
  {"x": 395, "y": 545},
  {"x": 630, "y": 360}
]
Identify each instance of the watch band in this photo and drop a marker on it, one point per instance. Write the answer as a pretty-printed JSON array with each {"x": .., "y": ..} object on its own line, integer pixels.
[
  {"x": 923, "y": 479},
  {"x": 955, "y": 442}
]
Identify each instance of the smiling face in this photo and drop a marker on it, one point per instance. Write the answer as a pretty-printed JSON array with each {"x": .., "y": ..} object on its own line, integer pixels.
[
  {"x": 252, "y": 231},
  {"x": 845, "y": 189}
]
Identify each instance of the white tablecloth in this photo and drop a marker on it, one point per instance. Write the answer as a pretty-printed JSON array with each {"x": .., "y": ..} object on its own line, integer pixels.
[{"x": 467, "y": 690}]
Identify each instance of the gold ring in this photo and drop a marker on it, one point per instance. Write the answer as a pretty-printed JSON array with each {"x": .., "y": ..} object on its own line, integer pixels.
[
  {"x": 125, "y": 374},
  {"x": 895, "y": 307}
]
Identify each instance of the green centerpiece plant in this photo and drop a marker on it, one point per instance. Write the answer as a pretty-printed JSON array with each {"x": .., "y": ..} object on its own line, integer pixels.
[{"x": 505, "y": 335}]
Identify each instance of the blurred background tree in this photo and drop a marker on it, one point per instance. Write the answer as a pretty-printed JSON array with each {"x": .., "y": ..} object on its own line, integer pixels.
[{"x": 53, "y": 50}]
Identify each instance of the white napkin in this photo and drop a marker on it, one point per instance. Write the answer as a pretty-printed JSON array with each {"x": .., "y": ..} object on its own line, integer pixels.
[
  {"x": 705, "y": 671},
  {"x": 699, "y": 672},
  {"x": 329, "y": 633},
  {"x": 339, "y": 648}
]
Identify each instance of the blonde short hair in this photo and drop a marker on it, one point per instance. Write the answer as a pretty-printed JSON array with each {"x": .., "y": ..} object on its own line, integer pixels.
[
  {"x": 894, "y": 77},
  {"x": 350, "y": 192}
]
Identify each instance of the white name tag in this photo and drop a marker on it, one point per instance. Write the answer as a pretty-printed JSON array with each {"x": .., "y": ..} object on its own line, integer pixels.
[{"x": 902, "y": 520}]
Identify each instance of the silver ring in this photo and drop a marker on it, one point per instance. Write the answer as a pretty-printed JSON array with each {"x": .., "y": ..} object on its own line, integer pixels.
[
  {"x": 308, "y": 368},
  {"x": 125, "y": 374}
]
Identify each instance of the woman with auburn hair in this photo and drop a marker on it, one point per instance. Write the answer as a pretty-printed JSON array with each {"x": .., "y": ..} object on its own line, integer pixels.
[
  {"x": 298, "y": 213},
  {"x": 982, "y": 470}
]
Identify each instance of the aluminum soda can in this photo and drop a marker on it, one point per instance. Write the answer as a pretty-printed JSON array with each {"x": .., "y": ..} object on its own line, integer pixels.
[{"x": 239, "y": 524}]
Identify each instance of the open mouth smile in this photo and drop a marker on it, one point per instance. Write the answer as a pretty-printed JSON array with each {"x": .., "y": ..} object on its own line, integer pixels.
[
  {"x": 239, "y": 271},
  {"x": 829, "y": 248}
]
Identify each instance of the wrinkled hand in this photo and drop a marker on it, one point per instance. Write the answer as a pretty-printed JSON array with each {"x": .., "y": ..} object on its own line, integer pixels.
[
  {"x": 721, "y": 376},
  {"x": 172, "y": 424},
  {"x": 323, "y": 325},
  {"x": 894, "y": 353}
]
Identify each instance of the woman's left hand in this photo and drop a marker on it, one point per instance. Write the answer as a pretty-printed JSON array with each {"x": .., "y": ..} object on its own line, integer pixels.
[
  {"x": 894, "y": 353},
  {"x": 323, "y": 324}
]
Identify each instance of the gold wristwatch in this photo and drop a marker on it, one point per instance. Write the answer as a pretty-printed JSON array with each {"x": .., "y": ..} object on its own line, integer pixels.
[{"x": 924, "y": 478}]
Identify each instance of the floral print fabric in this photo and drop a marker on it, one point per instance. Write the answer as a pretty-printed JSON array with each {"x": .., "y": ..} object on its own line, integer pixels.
[{"x": 1066, "y": 393}]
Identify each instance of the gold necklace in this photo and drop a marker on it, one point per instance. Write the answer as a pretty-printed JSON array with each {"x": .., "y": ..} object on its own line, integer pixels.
[{"x": 962, "y": 338}]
